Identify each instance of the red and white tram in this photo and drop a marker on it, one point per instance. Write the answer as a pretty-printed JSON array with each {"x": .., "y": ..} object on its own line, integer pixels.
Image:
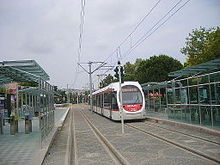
[{"x": 106, "y": 101}]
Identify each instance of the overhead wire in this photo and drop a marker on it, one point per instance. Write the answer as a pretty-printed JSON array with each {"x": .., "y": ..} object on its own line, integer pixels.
[
  {"x": 80, "y": 41},
  {"x": 153, "y": 29},
  {"x": 148, "y": 34},
  {"x": 136, "y": 27},
  {"x": 82, "y": 20}
]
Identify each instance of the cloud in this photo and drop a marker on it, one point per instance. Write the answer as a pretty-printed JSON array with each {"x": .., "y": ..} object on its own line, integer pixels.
[{"x": 48, "y": 31}]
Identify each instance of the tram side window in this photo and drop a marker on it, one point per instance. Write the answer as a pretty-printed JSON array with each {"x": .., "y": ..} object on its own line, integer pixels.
[
  {"x": 107, "y": 101},
  {"x": 94, "y": 100},
  {"x": 114, "y": 101},
  {"x": 101, "y": 101},
  {"x": 98, "y": 101}
]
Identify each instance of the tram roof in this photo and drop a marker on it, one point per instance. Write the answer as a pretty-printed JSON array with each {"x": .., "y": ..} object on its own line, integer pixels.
[
  {"x": 114, "y": 86},
  {"x": 21, "y": 71},
  {"x": 206, "y": 67}
]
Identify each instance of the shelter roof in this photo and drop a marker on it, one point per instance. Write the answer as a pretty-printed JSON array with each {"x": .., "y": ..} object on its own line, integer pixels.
[
  {"x": 154, "y": 85},
  {"x": 20, "y": 71},
  {"x": 206, "y": 67}
]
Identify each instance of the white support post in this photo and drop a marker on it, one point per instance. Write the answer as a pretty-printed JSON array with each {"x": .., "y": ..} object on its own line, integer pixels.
[
  {"x": 121, "y": 102},
  {"x": 90, "y": 85}
]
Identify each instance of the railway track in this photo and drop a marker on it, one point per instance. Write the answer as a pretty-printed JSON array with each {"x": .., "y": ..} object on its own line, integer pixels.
[
  {"x": 83, "y": 144},
  {"x": 182, "y": 133},
  {"x": 87, "y": 138},
  {"x": 115, "y": 155},
  {"x": 175, "y": 143}
]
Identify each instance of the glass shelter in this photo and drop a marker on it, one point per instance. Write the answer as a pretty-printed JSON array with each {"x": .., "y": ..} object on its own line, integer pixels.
[
  {"x": 193, "y": 96},
  {"x": 23, "y": 102}
]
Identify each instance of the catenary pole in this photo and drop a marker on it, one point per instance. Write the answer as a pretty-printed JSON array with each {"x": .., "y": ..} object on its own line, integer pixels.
[
  {"x": 90, "y": 84},
  {"x": 90, "y": 72}
]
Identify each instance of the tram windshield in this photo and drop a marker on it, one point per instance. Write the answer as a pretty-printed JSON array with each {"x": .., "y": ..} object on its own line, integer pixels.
[{"x": 131, "y": 95}]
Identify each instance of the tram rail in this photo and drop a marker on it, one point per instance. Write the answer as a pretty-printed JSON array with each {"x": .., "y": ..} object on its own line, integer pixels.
[
  {"x": 117, "y": 157},
  {"x": 179, "y": 132},
  {"x": 85, "y": 139},
  {"x": 194, "y": 151}
]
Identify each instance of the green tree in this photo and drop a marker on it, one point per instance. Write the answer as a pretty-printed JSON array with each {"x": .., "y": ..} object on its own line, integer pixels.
[
  {"x": 130, "y": 70},
  {"x": 156, "y": 69},
  {"x": 106, "y": 81},
  {"x": 202, "y": 45}
]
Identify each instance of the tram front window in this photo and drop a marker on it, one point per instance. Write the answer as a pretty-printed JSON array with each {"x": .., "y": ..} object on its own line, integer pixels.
[{"x": 131, "y": 95}]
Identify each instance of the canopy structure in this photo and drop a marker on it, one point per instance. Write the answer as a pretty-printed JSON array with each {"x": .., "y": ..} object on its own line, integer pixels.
[
  {"x": 21, "y": 71},
  {"x": 153, "y": 85},
  {"x": 213, "y": 65}
]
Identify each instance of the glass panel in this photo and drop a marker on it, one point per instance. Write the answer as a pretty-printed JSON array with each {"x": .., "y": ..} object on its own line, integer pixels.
[
  {"x": 184, "y": 82},
  {"x": 193, "y": 94},
  {"x": 193, "y": 81},
  {"x": 107, "y": 101},
  {"x": 204, "y": 96},
  {"x": 131, "y": 95},
  {"x": 195, "y": 115},
  {"x": 114, "y": 101},
  {"x": 157, "y": 100},
  {"x": 151, "y": 100},
  {"x": 178, "y": 96},
  {"x": 94, "y": 100},
  {"x": 216, "y": 116},
  {"x": 218, "y": 93},
  {"x": 178, "y": 84},
  {"x": 184, "y": 96},
  {"x": 206, "y": 116},
  {"x": 181, "y": 96},
  {"x": 175, "y": 112},
  {"x": 213, "y": 94},
  {"x": 163, "y": 96},
  {"x": 146, "y": 94},
  {"x": 169, "y": 85},
  {"x": 187, "y": 114},
  {"x": 215, "y": 77},
  {"x": 170, "y": 98},
  {"x": 203, "y": 79}
]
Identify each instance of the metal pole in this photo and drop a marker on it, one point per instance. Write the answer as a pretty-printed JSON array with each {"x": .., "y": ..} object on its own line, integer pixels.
[
  {"x": 90, "y": 84},
  {"x": 17, "y": 101},
  {"x": 67, "y": 93},
  {"x": 16, "y": 110},
  {"x": 120, "y": 97}
]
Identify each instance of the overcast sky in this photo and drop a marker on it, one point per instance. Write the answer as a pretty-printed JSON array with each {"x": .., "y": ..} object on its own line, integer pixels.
[{"x": 48, "y": 32}]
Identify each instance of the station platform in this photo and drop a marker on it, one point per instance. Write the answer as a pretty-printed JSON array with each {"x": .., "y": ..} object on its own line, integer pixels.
[{"x": 25, "y": 149}]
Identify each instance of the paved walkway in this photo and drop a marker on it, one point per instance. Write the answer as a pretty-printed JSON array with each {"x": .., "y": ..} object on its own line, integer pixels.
[{"x": 20, "y": 149}]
